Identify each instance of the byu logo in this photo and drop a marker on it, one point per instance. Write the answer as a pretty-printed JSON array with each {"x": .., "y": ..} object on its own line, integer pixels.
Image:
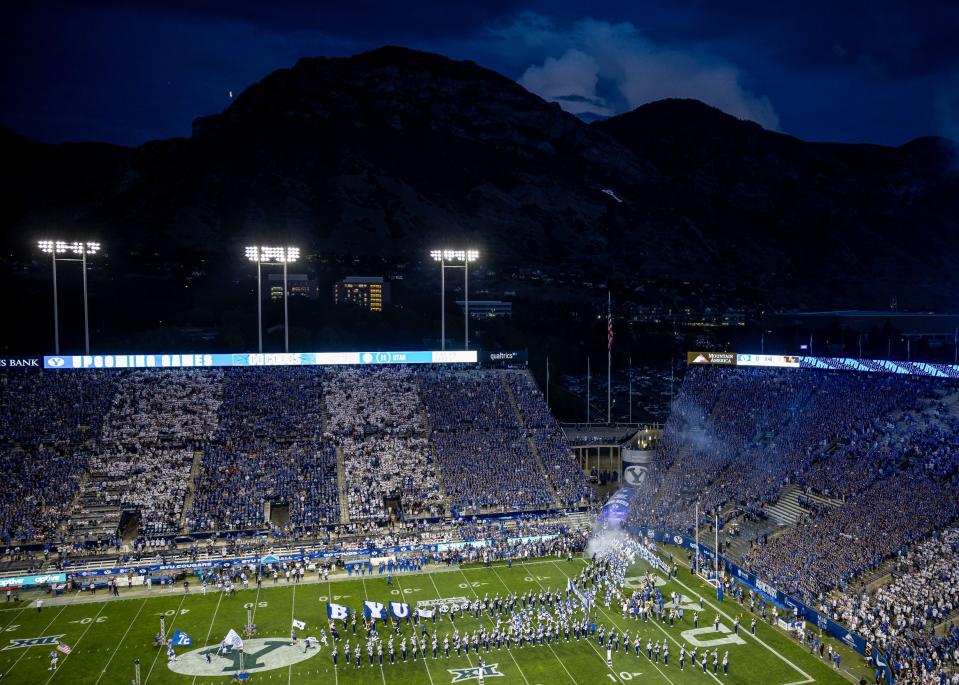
[
  {"x": 461, "y": 674},
  {"x": 34, "y": 641},
  {"x": 634, "y": 475},
  {"x": 56, "y": 361},
  {"x": 259, "y": 655}
]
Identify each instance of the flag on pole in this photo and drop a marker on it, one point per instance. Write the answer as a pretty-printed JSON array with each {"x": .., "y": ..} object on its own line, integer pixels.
[
  {"x": 181, "y": 639},
  {"x": 374, "y": 610},
  {"x": 609, "y": 325},
  {"x": 609, "y": 357},
  {"x": 337, "y": 612},
  {"x": 399, "y": 610},
  {"x": 232, "y": 640},
  {"x": 299, "y": 625},
  {"x": 65, "y": 648}
]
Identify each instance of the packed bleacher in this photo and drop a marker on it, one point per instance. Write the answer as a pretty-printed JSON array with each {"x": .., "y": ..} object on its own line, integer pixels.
[
  {"x": 567, "y": 478},
  {"x": 739, "y": 435},
  {"x": 47, "y": 425},
  {"x": 203, "y": 450},
  {"x": 901, "y": 617},
  {"x": 145, "y": 451},
  {"x": 376, "y": 418},
  {"x": 483, "y": 451},
  {"x": 885, "y": 447},
  {"x": 267, "y": 448}
]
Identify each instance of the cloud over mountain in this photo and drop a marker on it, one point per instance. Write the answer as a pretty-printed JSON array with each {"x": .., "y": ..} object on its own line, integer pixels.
[{"x": 599, "y": 67}]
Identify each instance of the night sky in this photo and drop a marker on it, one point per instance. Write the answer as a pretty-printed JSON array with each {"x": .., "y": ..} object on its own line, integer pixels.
[{"x": 879, "y": 71}]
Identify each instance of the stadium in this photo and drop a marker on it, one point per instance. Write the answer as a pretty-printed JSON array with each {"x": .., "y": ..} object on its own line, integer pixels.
[{"x": 419, "y": 517}]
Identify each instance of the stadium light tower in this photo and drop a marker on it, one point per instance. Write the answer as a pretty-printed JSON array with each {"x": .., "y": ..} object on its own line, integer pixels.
[
  {"x": 272, "y": 255},
  {"x": 464, "y": 256},
  {"x": 58, "y": 247}
]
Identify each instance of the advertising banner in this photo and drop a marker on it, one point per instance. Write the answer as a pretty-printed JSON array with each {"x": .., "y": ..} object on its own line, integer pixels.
[
  {"x": 706, "y": 358},
  {"x": 503, "y": 357},
  {"x": 30, "y": 581},
  {"x": 190, "y": 360},
  {"x": 34, "y": 362}
]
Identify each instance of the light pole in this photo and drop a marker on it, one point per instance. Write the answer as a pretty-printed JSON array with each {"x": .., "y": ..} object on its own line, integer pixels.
[
  {"x": 464, "y": 256},
  {"x": 272, "y": 255},
  {"x": 53, "y": 248}
]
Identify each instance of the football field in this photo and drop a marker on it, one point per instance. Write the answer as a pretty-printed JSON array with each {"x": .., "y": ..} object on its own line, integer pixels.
[{"x": 106, "y": 636}]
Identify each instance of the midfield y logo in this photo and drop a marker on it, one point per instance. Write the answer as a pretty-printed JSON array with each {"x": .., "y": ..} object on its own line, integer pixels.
[
  {"x": 461, "y": 674},
  {"x": 253, "y": 660},
  {"x": 33, "y": 642}
]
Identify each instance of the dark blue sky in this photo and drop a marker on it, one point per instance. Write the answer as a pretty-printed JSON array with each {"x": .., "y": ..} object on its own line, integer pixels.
[{"x": 859, "y": 71}]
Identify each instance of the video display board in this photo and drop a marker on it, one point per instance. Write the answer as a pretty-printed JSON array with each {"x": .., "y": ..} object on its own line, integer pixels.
[{"x": 191, "y": 360}]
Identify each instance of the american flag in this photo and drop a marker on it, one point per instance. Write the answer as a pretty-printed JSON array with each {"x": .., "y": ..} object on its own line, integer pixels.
[
  {"x": 65, "y": 648},
  {"x": 609, "y": 328}
]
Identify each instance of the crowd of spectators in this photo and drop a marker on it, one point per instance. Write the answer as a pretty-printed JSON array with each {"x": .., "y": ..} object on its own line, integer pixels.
[
  {"x": 901, "y": 617},
  {"x": 268, "y": 447},
  {"x": 375, "y": 416},
  {"x": 145, "y": 452},
  {"x": 270, "y": 435},
  {"x": 739, "y": 435},
  {"x": 565, "y": 475},
  {"x": 885, "y": 447},
  {"x": 483, "y": 451},
  {"x": 47, "y": 424}
]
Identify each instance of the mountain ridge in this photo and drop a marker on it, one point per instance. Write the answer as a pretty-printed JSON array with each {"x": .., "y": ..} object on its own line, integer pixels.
[{"x": 394, "y": 150}]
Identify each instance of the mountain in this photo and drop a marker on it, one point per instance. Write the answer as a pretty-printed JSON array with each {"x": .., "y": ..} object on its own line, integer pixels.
[{"x": 393, "y": 151}]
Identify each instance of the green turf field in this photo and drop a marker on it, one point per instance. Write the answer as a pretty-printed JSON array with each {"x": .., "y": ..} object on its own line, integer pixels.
[{"x": 106, "y": 636}]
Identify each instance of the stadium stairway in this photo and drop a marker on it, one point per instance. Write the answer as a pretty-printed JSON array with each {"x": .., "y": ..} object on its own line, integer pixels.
[
  {"x": 427, "y": 433},
  {"x": 190, "y": 490},
  {"x": 787, "y": 510},
  {"x": 341, "y": 487},
  {"x": 579, "y": 519},
  {"x": 532, "y": 445}
]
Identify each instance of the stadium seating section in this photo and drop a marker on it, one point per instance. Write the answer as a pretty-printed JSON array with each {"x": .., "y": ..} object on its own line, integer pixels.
[{"x": 214, "y": 450}]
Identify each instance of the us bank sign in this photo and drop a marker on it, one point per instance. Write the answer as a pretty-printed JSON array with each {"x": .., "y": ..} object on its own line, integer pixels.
[{"x": 20, "y": 363}]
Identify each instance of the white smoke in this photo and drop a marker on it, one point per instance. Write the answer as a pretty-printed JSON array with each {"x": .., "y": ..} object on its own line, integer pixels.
[{"x": 608, "y": 538}]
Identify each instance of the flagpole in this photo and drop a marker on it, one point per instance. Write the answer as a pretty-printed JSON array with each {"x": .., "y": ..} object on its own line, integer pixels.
[
  {"x": 629, "y": 375},
  {"x": 547, "y": 382},
  {"x": 696, "y": 556},
  {"x": 587, "y": 390},
  {"x": 609, "y": 358}
]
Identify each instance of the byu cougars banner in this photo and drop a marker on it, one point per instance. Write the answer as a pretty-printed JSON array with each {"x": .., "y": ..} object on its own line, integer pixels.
[
  {"x": 399, "y": 610},
  {"x": 374, "y": 610},
  {"x": 337, "y": 612}
]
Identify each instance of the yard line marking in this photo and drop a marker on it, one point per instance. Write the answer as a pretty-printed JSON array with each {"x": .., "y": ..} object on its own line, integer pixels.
[
  {"x": 52, "y": 620},
  {"x": 589, "y": 641},
  {"x": 153, "y": 665},
  {"x": 475, "y": 594},
  {"x": 289, "y": 669},
  {"x": 365, "y": 595},
  {"x": 809, "y": 678},
  {"x": 117, "y": 648},
  {"x": 503, "y": 582},
  {"x": 206, "y": 640},
  {"x": 428, "y": 674},
  {"x": 19, "y": 611},
  {"x": 654, "y": 622},
  {"x": 82, "y": 635}
]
